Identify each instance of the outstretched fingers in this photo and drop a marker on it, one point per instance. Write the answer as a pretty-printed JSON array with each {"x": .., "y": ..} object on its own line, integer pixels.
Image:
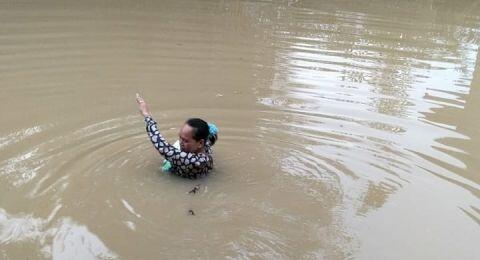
[
  {"x": 139, "y": 99},
  {"x": 142, "y": 106}
]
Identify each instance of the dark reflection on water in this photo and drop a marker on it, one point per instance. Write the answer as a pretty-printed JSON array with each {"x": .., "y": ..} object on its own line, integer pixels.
[
  {"x": 389, "y": 80},
  {"x": 348, "y": 129},
  {"x": 378, "y": 99}
]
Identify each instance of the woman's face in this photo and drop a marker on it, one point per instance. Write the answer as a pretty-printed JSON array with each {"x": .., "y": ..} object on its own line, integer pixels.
[{"x": 187, "y": 142}]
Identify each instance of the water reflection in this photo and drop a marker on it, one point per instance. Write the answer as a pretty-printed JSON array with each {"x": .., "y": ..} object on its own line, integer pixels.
[
  {"x": 461, "y": 119},
  {"x": 389, "y": 80},
  {"x": 371, "y": 107},
  {"x": 64, "y": 240},
  {"x": 348, "y": 129}
]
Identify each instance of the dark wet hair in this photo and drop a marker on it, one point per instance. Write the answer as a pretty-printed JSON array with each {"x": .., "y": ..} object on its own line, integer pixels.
[{"x": 201, "y": 130}]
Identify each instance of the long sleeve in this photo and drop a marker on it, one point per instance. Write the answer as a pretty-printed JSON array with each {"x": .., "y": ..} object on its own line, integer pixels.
[{"x": 189, "y": 165}]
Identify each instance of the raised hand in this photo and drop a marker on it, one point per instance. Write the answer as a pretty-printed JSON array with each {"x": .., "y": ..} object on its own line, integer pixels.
[{"x": 142, "y": 106}]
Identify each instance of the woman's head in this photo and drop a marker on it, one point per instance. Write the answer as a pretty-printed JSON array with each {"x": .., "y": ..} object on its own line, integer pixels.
[{"x": 194, "y": 134}]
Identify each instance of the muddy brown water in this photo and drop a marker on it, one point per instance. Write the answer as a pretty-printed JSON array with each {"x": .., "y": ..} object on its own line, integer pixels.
[{"x": 348, "y": 129}]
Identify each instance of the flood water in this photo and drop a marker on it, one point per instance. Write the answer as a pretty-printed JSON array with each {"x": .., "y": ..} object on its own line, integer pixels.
[{"x": 348, "y": 129}]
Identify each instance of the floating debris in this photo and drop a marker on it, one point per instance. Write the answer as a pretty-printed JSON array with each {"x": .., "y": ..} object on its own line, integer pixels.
[{"x": 194, "y": 190}]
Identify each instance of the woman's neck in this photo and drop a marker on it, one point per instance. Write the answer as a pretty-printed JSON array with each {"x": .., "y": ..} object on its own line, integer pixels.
[{"x": 201, "y": 150}]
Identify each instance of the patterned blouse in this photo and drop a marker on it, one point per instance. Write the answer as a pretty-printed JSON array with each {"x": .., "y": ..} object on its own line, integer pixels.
[{"x": 187, "y": 165}]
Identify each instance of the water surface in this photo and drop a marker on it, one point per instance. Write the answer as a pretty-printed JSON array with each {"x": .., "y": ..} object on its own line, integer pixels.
[{"x": 348, "y": 129}]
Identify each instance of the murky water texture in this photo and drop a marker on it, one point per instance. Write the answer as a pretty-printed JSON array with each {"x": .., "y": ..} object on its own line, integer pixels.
[{"x": 348, "y": 129}]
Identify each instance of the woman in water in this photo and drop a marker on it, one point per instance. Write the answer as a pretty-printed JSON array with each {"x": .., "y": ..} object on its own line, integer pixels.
[{"x": 194, "y": 158}]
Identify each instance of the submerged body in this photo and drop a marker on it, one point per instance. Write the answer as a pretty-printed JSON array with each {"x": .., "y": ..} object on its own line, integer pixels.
[
  {"x": 193, "y": 158},
  {"x": 185, "y": 164}
]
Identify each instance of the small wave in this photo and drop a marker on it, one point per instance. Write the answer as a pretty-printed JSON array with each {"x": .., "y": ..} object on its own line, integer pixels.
[{"x": 68, "y": 239}]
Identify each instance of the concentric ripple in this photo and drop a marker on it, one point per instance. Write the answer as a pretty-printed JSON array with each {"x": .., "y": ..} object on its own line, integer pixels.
[{"x": 348, "y": 130}]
